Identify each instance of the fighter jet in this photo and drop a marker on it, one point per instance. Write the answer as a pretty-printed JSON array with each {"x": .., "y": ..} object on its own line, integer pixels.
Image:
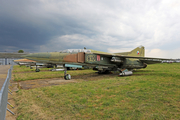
[
  {"x": 101, "y": 61},
  {"x": 28, "y": 62},
  {"x": 22, "y": 62}
]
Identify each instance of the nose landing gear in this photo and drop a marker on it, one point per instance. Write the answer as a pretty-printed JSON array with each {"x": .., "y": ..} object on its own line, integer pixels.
[
  {"x": 67, "y": 77},
  {"x": 37, "y": 69}
]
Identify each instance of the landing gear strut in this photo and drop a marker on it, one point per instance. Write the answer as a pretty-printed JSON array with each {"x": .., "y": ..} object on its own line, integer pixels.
[
  {"x": 37, "y": 69},
  {"x": 66, "y": 76}
]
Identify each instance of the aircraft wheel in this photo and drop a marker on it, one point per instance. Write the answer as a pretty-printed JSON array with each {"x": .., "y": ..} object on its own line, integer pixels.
[
  {"x": 99, "y": 72},
  {"x": 67, "y": 77},
  {"x": 104, "y": 72},
  {"x": 37, "y": 70}
]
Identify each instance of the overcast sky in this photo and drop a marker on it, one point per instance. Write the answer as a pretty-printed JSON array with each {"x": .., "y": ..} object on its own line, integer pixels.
[{"x": 105, "y": 25}]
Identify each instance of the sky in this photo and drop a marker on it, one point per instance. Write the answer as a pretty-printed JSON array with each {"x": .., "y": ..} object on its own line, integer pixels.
[{"x": 104, "y": 25}]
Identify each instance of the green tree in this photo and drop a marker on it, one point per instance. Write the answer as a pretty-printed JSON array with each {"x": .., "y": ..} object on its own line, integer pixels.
[{"x": 20, "y": 51}]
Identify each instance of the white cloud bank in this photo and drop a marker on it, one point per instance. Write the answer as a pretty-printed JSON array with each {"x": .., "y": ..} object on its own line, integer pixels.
[
  {"x": 163, "y": 53},
  {"x": 115, "y": 25},
  {"x": 158, "y": 53},
  {"x": 123, "y": 25}
]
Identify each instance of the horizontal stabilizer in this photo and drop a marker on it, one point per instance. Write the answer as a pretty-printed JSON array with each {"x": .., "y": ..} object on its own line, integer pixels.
[{"x": 151, "y": 61}]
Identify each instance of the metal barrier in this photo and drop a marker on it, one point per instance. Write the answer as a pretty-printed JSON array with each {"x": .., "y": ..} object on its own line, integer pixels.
[
  {"x": 7, "y": 61},
  {"x": 4, "y": 96}
]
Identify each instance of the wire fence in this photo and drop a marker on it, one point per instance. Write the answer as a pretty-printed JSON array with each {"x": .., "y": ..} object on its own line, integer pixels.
[{"x": 4, "y": 96}]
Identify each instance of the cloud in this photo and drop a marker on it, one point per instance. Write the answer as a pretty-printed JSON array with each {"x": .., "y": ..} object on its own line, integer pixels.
[
  {"x": 157, "y": 53},
  {"x": 77, "y": 41},
  {"x": 163, "y": 53},
  {"x": 43, "y": 25}
]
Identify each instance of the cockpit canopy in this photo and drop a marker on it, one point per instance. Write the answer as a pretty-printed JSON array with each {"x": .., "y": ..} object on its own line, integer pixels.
[{"x": 75, "y": 51}]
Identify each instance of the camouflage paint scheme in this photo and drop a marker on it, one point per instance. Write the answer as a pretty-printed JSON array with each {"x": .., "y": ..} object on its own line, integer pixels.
[
  {"x": 100, "y": 61},
  {"x": 25, "y": 62}
]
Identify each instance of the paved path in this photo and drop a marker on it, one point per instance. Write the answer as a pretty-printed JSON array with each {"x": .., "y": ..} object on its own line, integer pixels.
[{"x": 3, "y": 73}]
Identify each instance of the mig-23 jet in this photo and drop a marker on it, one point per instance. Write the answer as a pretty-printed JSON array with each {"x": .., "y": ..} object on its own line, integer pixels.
[
  {"x": 101, "y": 61},
  {"x": 27, "y": 62}
]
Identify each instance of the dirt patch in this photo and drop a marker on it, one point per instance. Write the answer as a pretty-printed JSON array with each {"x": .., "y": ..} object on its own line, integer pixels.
[
  {"x": 42, "y": 83},
  {"x": 30, "y": 84}
]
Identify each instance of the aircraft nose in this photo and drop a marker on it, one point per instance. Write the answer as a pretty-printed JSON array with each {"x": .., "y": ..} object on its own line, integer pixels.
[
  {"x": 30, "y": 56},
  {"x": 37, "y": 56}
]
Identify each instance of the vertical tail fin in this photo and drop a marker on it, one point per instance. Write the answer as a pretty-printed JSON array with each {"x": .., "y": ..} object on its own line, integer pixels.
[{"x": 138, "y": 52}]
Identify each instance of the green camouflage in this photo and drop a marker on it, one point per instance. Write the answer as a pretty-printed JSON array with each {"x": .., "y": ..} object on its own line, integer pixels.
[{"x": 98, "y": 60}]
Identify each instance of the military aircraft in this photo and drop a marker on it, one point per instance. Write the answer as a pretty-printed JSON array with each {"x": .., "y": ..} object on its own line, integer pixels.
[
  {"x": 101, "y": 61},
  {"x": 28, "y": 62},
  {"x": 22, "y": 62}
]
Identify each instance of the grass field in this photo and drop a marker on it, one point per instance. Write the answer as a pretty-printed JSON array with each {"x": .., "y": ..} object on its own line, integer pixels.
[
  {"x": 151, "y": 93},
  {"x": 20, "y": 69},
  {"x": 25, "y": 73}
]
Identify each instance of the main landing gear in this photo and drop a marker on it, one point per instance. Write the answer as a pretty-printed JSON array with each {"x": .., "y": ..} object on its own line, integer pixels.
[{"x": 66, "y": 76}]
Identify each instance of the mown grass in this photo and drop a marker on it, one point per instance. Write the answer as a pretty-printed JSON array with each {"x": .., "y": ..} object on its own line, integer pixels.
[
  {"x": 19, "y": 69},
  {"x": 151, "y": 93},
  {"x": 24, "y": 73}
]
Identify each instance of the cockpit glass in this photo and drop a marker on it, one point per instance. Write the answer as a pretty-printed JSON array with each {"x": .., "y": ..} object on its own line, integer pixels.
[{"x": 75, "y": 51}]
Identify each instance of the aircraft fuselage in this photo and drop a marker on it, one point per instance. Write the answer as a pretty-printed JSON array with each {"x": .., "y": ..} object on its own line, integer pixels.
[{"x": 86, "y": 59}]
